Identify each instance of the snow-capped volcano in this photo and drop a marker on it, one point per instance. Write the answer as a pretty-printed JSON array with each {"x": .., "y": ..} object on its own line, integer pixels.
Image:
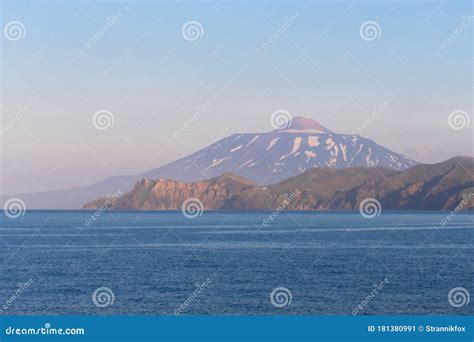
[
  {"x": 269, "y": 157},
  {"x": 264, "y": 158}
]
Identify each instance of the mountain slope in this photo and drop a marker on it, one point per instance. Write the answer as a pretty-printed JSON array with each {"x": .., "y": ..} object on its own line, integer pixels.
[
  {"x": 267, "y": 158},
  {"x": 424, "y": 187},
  {"x": 437, "y": 187},
  {"x": 264, "y": 158}
]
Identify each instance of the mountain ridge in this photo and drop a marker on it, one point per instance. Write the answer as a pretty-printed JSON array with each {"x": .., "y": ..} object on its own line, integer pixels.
[
  {"x": 264, "y": 158},
  {"x": 448, "y": 183}
]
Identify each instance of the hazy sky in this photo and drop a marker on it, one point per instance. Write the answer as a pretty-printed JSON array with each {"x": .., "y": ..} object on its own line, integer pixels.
[{"x": 131, "y": 58}]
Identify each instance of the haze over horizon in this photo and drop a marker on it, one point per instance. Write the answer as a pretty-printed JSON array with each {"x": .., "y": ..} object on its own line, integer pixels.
[{"x": 143, "y": 70}]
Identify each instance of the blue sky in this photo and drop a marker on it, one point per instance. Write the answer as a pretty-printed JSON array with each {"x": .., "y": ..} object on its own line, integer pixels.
[{"x": 151, "y": 79}]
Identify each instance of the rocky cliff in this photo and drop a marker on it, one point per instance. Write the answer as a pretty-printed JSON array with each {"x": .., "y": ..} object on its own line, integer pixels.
[{"x": 442, "y": 186}]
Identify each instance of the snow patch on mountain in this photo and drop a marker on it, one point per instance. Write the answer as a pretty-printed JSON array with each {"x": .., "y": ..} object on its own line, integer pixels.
[
  {"x": 236, "y": 148},
  {"x": 313, "y": 141},
  {"x": 296, "y": 145},
  {"x": 272, "y": 143},
  {"x": 252, "y": 141},
  {"x": 216, "y": 162},
  {"x": 309, "y": 155},
  {"x": 246, "y": 163}
]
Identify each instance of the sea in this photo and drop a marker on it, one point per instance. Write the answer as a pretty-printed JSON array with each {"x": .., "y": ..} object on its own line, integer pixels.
[{"x": 236, "y": 263}]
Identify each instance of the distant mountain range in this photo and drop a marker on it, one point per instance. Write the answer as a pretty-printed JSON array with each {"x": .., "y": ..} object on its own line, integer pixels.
[
  {"x": 263, "y": 158},
  {"x": 441, "y": 186}
]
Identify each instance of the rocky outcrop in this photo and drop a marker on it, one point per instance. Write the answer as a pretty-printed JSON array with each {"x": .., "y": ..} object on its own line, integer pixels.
[
  {"x": 165, "y": 194},
  {"x": 443, "y": 186}
]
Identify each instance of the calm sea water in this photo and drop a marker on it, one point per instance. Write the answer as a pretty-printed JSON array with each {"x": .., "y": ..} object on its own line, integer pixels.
[{"x": 155, "y": 262}]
